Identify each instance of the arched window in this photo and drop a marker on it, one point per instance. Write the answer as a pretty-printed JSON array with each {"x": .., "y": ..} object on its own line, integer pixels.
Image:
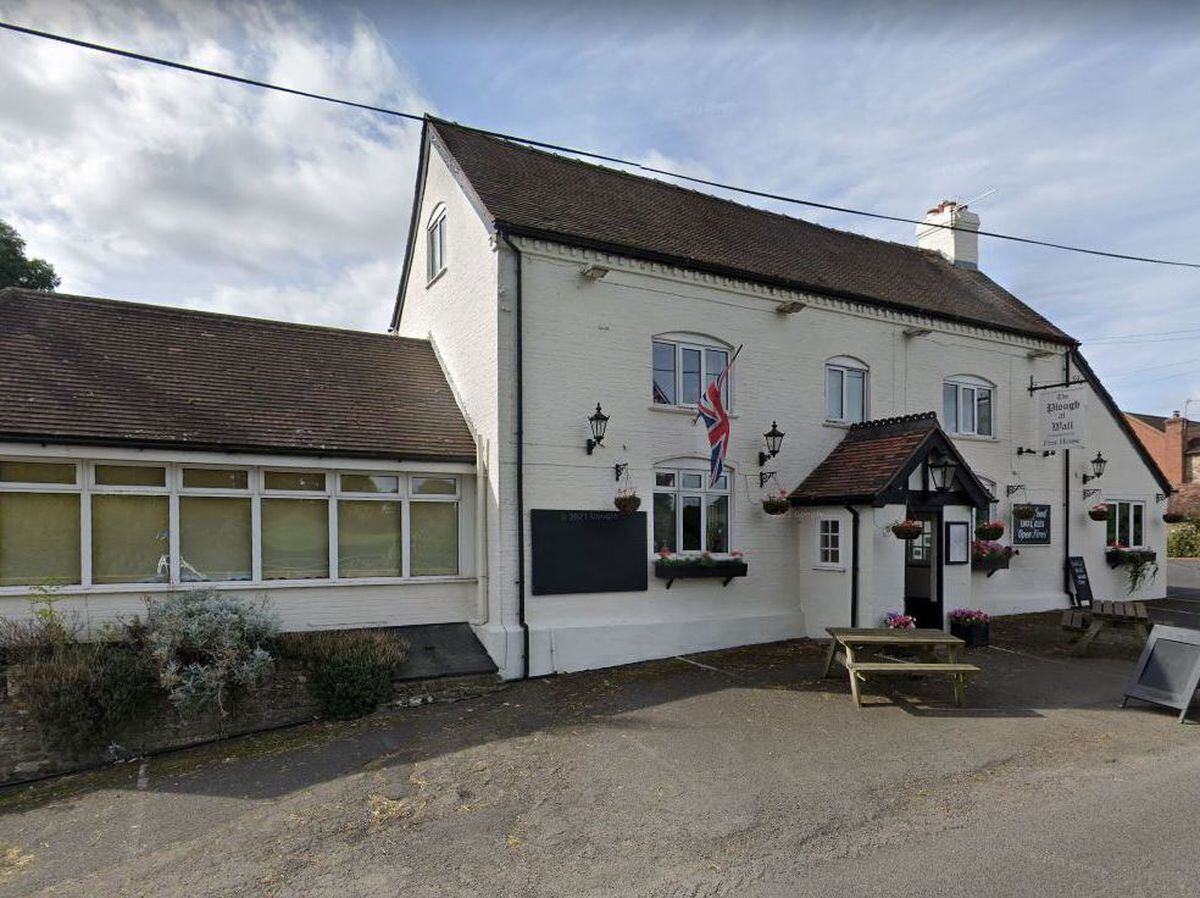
[
  {"x": 846, "y": 390},
  {"x": 683, "y": 367},
  {"x": 691, "y": 514},
  {"x": 435, "y": 243},
  {"x": 969, "y": 405}
]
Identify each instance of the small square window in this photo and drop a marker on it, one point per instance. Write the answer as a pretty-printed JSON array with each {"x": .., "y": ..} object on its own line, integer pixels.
[
  {"x": 661, "y": 479},
  {"x": 829, "y": 542}
]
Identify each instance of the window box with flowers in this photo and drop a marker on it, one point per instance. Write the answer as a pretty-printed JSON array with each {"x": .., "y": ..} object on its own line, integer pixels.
[
  {"x": 670, "y": 566},
  {"x": 990, "y": 556},
  {"x": 1141, "y": 565},
  {"x": 971, "y": 625}
]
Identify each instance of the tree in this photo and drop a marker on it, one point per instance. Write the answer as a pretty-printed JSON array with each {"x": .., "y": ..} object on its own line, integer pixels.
[{"x": 17, "y": 270}]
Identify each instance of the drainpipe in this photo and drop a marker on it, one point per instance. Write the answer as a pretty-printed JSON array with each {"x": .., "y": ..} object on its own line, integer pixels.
[
  {"x": 853, "y": 566},
  {"x": 1066, "y": 492},
  {"x": 520, "y": 437}
]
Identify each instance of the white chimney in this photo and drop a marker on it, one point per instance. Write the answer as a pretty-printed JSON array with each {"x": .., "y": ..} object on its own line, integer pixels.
[{"x": 961, "y": 247}]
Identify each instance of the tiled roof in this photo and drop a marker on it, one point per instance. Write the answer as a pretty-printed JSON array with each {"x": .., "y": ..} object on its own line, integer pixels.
[
  {"x": 1159, "y": 422},
  {"x": 866, "y": 461},
  {"x": 535, "y": 193},
  {"x": 85, "y": 370}
]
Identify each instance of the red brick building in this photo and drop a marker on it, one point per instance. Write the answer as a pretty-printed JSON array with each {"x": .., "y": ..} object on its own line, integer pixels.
[{"x": 1174, "y": 443}]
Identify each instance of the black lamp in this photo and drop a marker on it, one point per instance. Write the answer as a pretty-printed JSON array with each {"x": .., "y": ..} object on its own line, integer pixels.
[
  {"x": 941, "y": 471},
  {"x": 774, "y": 438},
  {"x": 1099, "y": 463},
  {"x": 598, "y": 423}
]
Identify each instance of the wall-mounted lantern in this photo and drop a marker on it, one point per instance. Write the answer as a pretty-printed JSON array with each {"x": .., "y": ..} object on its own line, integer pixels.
[
  {"x": 599, "y": 423},
  {"x": 941, "y": 472},
  {"x": 1098, "y": 465},
  {"x": 774, "y": 439}
]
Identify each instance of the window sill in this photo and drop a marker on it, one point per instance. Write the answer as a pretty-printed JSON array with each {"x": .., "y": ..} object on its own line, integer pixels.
[
  {"x": 232, "y": 585},
  {"x": 974, "y": 437},
  {"x": 839, "y": 425},
  {"x": 840, "y": 568},
  {"x": 689, "y": 410},
  {"x": 433, "y": 280}
]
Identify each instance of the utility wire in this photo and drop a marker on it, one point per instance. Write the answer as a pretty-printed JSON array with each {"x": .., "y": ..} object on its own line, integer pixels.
[{"x": 197, "y": 70}]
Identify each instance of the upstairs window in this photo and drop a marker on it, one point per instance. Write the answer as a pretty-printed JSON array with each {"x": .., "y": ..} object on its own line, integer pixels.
[
  {"x": 968, "y": 406},
  {"x": 435, "y": 244},
  {"x": 682, "y": 371},
  {"x": 845, "y": 390}
]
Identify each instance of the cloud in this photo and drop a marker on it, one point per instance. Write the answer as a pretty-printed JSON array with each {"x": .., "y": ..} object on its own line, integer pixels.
[{"x": 151, "y": 184}]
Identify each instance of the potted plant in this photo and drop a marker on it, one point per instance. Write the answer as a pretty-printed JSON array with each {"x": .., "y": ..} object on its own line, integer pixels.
[
  {"x": 1172, "y": 517},
  {"x": 990, "y": 531},
  {"x": 908, "y": 529},
  {"x": 1141, "y": 565},
  {"x": 1099, "y": 512},
  {"x": 990, "y": 556},
  {"x": 671, "y": 566},
  {"x": 971, "y": 626},
  {"x": 894, "y": 620},
  {"x": 776, "y": 503},
  {"x": 1023, "y": 511},
  {"x": 627, "y": 501}
]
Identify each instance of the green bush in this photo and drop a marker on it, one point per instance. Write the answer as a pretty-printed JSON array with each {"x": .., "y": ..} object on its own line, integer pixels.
[
  {"x": 1183, "y": 541},
  {"x": 207, "y": 647},
  {"x": 351, "y": 670}
]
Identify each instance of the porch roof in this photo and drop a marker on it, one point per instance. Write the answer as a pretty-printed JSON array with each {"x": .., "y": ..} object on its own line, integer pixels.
[{"x": 875, "y": 459}]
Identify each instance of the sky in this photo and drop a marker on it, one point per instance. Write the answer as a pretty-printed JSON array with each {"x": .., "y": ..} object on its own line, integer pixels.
[{"x": 142, "y": 183}]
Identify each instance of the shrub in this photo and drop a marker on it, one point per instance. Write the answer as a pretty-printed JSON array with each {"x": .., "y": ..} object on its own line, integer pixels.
[
  {"x": 351, "y": 670},
  {"x": 207, "y": 647},
  {"x": 1184, "y": 541}
]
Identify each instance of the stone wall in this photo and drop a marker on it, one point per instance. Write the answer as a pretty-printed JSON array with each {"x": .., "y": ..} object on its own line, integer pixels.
[{"x": 284, "y": 699}]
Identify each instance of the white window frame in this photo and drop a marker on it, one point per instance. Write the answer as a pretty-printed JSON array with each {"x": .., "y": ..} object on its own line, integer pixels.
[
  {"x": 962, "y": 384},
  {"x": 993, "y": 509},
  {"x": 829, "y": 544},
  {"x": 703, "y": 492},
  {"x": 86, "y": 487},
  {"x": 844, "y": 364},
  {"x": 435, "y": 244},
  {"x": 1115, "y": 521},
  {"x": 704, "y": 349}
]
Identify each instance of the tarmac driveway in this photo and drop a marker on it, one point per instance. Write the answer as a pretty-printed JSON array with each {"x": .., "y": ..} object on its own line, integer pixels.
[{"x": 732, "y": 773}]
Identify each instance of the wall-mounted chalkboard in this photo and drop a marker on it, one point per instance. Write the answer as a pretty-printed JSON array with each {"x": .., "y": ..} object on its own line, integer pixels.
[
  {"x": 588, "y": 551},
  {"x": 1033, "y": 531},
  {"x": 1080, "y": 584},
  {"x": 1169, "y": 670}
]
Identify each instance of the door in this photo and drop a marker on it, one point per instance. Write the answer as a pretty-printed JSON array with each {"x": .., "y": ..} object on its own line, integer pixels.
[{"x": 922, "y": 563}]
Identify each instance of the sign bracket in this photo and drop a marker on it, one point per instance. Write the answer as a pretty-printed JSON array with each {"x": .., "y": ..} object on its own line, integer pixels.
[{"x": 1034, "y": 387}]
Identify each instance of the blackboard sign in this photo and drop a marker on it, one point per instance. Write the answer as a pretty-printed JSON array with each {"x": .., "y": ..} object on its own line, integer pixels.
[
  {"x": 1169, "y": 670},
  {"x": 588, "y": 551},
  {"x": 1080, "y": 584},
  {"x": 1034, "y": 531}
]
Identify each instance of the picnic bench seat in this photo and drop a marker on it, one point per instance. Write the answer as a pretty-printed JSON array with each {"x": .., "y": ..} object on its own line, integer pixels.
[
  {"x": 859, "y": 669},
  {"x": 1106, "y": 614}
]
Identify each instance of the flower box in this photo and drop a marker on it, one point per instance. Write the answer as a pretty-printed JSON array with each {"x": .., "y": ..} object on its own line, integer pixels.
[
  {"x": 724, "y": 569},
  {"x": 990, "y": 564},
  {"x": 1117, "y": 557},
  {"x": 974, "y": 633}
]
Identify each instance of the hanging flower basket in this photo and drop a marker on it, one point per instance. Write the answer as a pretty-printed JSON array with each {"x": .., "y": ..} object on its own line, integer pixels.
[
  {"x": 1099, "y": 512},
  {"x": 907, "y": 530},
  {"x": 1172, "y": 517},
  {"x": 627, "y": 501},
  {"x": 1024, "y": 512},
  {"x": 990, "y": 531},
  {"x": 776, "y": 504}
]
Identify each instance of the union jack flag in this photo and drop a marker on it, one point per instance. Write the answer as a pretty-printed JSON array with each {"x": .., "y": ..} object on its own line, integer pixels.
[{"x": 711, "y": 408}]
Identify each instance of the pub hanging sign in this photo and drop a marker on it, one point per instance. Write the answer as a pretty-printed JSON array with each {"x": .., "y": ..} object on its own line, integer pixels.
[
  {"x": 1034, "y": 531},
  {"x": 1062, "y": 415}
]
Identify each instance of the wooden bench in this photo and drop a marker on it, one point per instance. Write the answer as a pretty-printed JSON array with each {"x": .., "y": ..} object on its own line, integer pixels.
[
  {"x": 1108, "y": 614},
  {"x": 960, "y": 672}
]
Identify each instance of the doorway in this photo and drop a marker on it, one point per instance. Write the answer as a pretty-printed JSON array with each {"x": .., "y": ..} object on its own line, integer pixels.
[{"x": 922, "y": 569}]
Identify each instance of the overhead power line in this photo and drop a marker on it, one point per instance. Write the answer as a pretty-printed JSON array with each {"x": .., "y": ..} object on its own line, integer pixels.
[{"x": 412, "y": 116}]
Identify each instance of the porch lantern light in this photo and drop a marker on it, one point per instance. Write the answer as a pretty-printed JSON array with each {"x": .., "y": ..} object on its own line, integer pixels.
[
  {"x": 1099, "y": 463},
  {"x": 599, "y": 423},
  {"x": 941, "y": 472},
  {"x": 774, "y": 438}
]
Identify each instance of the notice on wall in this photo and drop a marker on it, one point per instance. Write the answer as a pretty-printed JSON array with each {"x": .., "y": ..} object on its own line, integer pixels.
[
  {"x": 1034, "y": 531},
  {"x": 1062, "y": 417}
]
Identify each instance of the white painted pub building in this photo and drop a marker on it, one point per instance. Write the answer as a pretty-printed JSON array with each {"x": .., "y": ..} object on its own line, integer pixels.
[{"x": 455, "y": 475}]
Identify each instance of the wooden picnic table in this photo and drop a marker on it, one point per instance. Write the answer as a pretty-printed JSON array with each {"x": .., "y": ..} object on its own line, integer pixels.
[{"x": 860, "y": 651}]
